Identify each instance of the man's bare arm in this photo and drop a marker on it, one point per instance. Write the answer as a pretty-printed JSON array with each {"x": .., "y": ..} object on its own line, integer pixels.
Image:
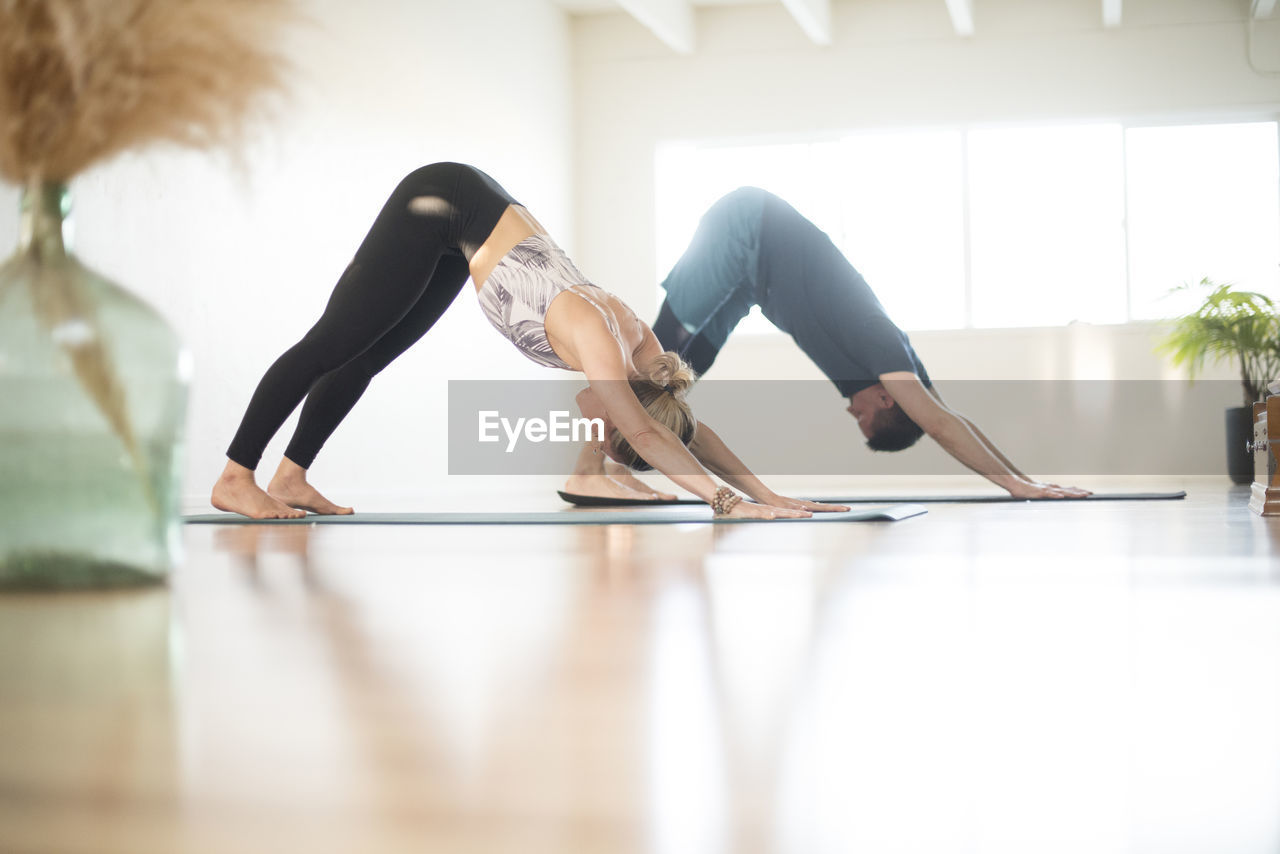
[
  {"x": 982, "y": 437},
  {"x": 959, "y": 438}
]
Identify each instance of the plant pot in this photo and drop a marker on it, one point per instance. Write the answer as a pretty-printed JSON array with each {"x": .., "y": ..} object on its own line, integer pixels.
[
  {"x": 1239, "y": 421},
  {"x": 92, "y": 404}
]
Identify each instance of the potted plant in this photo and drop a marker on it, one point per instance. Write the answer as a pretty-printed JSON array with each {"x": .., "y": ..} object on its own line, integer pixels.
[{"x": 1238, "y": 326}]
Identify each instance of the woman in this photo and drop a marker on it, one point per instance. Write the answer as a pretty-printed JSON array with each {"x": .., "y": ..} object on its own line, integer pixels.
[{"x": 444, "y": 223}]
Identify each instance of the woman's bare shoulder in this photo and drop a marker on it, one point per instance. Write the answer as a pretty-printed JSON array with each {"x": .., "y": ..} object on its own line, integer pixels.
[{"x": 578, "y": 329}]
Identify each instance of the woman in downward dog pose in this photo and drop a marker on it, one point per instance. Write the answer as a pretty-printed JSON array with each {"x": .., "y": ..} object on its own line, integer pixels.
[{"x": 443, "y": 224}]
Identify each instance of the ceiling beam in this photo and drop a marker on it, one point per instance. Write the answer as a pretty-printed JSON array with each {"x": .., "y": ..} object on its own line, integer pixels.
[
  {"x": 669, "y": 20},
  {"x": 813, "y": 16},
  {"x": 961, "y": 16},
  {"x": 1112, "y": 12},
  {"x": 1263, "y": 8}
]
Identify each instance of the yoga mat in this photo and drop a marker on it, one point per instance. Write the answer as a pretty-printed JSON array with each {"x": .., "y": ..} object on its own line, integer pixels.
[
  {"x": 594, "y": 501},
  {"x": 646, "y": 516}
]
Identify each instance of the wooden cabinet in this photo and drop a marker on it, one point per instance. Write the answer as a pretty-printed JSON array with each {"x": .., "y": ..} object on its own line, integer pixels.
[{"x": 1265, "y": 499}]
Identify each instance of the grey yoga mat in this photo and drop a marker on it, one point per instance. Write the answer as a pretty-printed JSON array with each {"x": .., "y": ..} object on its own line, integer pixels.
[
  {"x": 595, "y": 501},
  {"x": 638, "y": 516}
]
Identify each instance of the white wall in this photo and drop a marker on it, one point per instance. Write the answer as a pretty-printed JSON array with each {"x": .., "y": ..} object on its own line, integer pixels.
[
  {"x": 242, "y": 262},
  {"x": 892, "y": 64},
  {"x": 567, "y": 116}
]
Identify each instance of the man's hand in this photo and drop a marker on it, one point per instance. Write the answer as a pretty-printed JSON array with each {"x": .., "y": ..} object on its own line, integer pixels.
[{"x": 1035, "y": 489}]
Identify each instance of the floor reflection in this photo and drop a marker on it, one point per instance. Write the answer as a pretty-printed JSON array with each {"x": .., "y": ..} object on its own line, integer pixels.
[
  {"x": 87, "y": 722},
  {"x": 735, "y": 689},
  {"x": 250, "y": 544}
]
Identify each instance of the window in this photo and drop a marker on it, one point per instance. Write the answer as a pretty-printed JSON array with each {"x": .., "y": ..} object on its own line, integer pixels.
[
  {"x": 1047, "y": 225},
  {"x": 1013, "y": 226},
  {"x": 1202, "y": 202},
  {"x": 692, "y": 177},
  {"x": 904, "y": 221}
]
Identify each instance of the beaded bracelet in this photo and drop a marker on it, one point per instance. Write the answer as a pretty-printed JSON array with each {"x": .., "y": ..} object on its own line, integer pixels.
[{"x": 724, "y": 500}]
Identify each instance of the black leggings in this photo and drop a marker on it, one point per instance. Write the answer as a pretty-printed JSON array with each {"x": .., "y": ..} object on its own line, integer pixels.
[{"x": 405, "y": 274}]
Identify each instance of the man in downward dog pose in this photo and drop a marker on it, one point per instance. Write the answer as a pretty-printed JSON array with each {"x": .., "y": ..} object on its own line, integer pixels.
[{"x": 752, "y": 248}]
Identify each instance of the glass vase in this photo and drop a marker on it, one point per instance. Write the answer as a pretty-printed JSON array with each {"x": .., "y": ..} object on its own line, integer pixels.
[{"x": 93, "y": 389}]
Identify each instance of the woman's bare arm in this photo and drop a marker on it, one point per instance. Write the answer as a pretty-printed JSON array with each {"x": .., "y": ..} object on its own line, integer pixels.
[
  {"x": 604, "y": 363},
  {"x": 713, "y": 453}
]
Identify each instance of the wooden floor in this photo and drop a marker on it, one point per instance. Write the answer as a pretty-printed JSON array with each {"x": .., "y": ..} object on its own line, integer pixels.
[{"x": 1083, "y": 679}]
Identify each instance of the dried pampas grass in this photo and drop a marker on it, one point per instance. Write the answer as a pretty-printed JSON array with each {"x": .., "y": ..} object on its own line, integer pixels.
[{"x": 82, "y": 80}]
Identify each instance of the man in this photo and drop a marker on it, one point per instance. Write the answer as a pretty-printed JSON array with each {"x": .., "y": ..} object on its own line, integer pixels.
[{"x": 752, "y": 248}]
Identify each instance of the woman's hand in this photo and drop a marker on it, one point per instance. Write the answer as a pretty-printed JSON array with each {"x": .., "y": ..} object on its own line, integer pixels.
[
  {"x": 801, "y": 504},
  {"x": 750, "y": 510},
  {"x": 711, "y": 450}
]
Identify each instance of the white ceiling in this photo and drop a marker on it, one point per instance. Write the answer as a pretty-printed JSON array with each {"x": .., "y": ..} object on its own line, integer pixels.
[
  {"x": 587, "y": 7},
  {"x": 672, "y": 21}
]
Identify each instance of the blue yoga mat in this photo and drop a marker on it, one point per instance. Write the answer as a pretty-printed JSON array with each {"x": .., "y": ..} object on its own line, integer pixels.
[
  {"x": 629, "y": 516},
  {"x": 595, "y": 501}
]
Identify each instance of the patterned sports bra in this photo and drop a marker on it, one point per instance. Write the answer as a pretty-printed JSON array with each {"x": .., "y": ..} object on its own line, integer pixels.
[{"x": 520, "y": 289}]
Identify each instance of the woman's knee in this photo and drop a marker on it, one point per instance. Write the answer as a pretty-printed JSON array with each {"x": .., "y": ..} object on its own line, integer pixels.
[{"x": 321, "y": 350}]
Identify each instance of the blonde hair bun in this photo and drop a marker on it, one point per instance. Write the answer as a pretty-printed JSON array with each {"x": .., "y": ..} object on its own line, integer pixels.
[{"x": 670, "y": 373}]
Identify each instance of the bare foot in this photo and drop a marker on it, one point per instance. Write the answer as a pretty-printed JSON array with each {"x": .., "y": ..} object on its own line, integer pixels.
[
  {"x": 589, "y": 478},
  {"x": 236, "y": 492},
  {"x": 603, "y": 486},
  {"x": 291, "y": 487},
  {"x": 623, "y": 475}
]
